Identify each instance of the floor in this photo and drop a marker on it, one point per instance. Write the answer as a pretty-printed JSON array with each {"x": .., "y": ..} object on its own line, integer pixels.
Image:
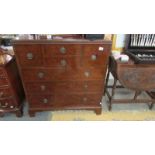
[{"x": 120, "y": 93}]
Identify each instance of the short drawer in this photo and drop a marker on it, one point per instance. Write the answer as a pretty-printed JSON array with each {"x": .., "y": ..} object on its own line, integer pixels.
[
  {"x": 62, "y": 49},
  {"x": 29, "y": 55},
  {"x": 96, "y": 49},
  {"x": 61, "y": 62},
  {"x": 41, "y": 100},
  {"x": 5, "y": 92},
  {"x": 8, "y": 103}
]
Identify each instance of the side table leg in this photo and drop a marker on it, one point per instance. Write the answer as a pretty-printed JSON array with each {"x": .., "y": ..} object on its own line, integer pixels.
[
  {"x": 106, "y": 84},
  {"x": 112, "y": 94}
]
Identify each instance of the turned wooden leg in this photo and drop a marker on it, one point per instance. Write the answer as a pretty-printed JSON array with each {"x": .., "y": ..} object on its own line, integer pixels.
[
  {"x": 19, "y": 113},
  {"x": 106, "y": 84},
  {"x": 31, "y": 113},
  {"x": 112, "y": 94},
  {"x": 137, "y": 93},
  {"x": 150, "y": 106},
  {"x": 98, "y": 111}
]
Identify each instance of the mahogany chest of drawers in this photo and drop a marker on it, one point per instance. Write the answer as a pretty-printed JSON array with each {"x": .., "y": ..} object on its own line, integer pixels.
[
  {"x": 11, "y": 90},
  {"x": 59, "y": 75}
]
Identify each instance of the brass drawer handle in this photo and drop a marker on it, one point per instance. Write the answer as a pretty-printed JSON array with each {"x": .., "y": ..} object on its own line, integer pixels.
[
  {"x": 41, "y": 75},
  {"x": 85, "y": 86},
  {"x": 45, "y": 100},
  {"x": 63, "y": 50},
  {"x": 87, "y": 73},
  {"x": 63, "y": 62},
  {"x": 1, "y": 94},
  {"x": 85, "y": 99},
  {"x": 29, "y": 56},
  {"x": 11, "y": 106},
  {"x": 43, "y": 87},
  {"x": 93, "y": 57}
]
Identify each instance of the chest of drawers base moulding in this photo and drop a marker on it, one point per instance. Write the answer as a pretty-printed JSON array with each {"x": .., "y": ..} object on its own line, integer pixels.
[{"x": 63, "y": 75}]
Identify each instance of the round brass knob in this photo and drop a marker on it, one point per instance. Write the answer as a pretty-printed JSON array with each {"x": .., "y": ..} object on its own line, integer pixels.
[
  {"x": 63, "y": 62},
  {"x": 1, "y": 94},
  {"x": 29, "y": 56},
  {"x": 85, "y": 86},
  {"x": 45, "y": 100},
  {"x": 87, "y": 73},
  {"x": 93, "y": 57},
  {"x": 11, "y": 106},
  {"x": 40, "y": 75},
  {"x": 85, "y": 99},
  {"x": 63, "y": 50},
  {"x": 43, "y": 87}
]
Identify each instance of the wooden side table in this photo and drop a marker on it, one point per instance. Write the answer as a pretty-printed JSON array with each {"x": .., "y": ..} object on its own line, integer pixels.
[{"x": 137, "y": 77}]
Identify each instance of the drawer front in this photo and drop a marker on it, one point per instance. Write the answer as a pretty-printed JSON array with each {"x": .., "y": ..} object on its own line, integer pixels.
[
  {"x": 61, "y": 62},
  {"x": 3, "y": 81},
  {"x": 41, "y": 100},
  {"x": 2, "y": 73},
  {"x": 61, "y": 87},
  {"x": 78, "y": 99},
  {"x": 62, "y": 49},
  {"x": 8, "y": 103},
  {"x": 38, "y": 75},
  {"x": 29, "y": 55},
  {"x": 5, "y": 92}
]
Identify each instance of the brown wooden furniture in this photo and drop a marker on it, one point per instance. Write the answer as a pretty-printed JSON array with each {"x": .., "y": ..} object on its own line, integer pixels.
[
  {"x": 137, "y": 77},
  {"x": 11, "y": 90},
  {"x": 63, "y": 74}
]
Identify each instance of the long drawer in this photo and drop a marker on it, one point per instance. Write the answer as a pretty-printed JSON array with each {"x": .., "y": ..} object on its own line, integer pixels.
[
  {"x": 65, "y": 86},
  {"x": 65, "y": 99},
  {"x": 38, "y": 75}
]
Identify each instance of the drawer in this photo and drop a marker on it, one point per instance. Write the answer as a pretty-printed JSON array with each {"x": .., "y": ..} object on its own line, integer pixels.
[
  {"x": 41, "y": 100},
  {"x": 78, "y": 99},
  {"x": 29, "y": 55},
  {"x": 8, "y": 103},
  {"x": 62, "y": 86},
  {"x": 3, "y": 81},
  {"x": 70, "y": 62},
  {"x": 95, "y": 61},
  {"x": 62, "y": 49},
  {"x": 42, "y": 75},
  {"x": 96, "y": 49},
  {"x": 5, "y": 92}
]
